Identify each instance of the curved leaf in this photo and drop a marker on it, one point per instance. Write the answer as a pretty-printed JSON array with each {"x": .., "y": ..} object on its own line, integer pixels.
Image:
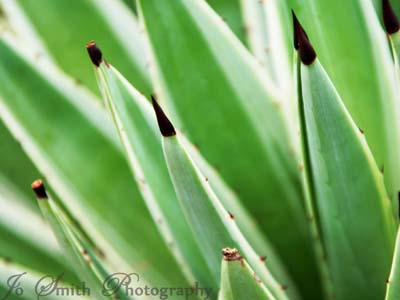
[
  {"x": 353, "y": 210},
  {"x": 219, "y": 96},
  {"x": 73, "y": 146}
]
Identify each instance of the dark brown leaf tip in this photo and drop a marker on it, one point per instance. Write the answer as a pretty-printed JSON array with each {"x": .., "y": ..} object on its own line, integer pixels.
[
  {"x": 390, "y": 19},
  {"x": 94, "y": 53},
  {"x": 39, "y": 189},
  {"x": 231, "y": 254},
  {"x": 165, "y": 125},
  {"x": 302, "y": 43}
]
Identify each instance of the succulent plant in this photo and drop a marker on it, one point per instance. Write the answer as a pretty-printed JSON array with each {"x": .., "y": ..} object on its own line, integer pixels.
[{"x": 241, "y": 150}]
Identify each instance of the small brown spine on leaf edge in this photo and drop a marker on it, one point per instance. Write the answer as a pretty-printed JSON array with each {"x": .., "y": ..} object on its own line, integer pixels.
[{"x": 231, "y": 254}]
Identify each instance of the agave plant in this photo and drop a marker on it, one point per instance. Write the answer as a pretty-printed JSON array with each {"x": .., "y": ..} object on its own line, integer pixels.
[{"x": 242, "y": 150}]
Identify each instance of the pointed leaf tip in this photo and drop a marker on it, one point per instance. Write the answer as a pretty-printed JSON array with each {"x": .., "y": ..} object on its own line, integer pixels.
[
  {"x": 296, "y": 24},
  {"x": 94, "y": 53},
  {"x": 165, "y": 125},
  {"x": 390, "y": 19},
  {"x": 302, "y": 43},
  {"x": 39, "y": 189},
  {"x": 231, "y": 254}
]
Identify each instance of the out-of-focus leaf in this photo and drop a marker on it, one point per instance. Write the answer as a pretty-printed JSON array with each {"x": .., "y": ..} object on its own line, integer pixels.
[
  {"x": 353, "y": 47},
  {"x": 141, "y": 127},
  {"x": 213, "y": 226},
  {"x": 30, "y": 281},
  {"x": 230, "y": 12},
  {"x": 64, "y": 26},
  {"x": 135, "y": 122},
  {"x": 270, "y": 40},
  {"x": 70, "y": 140},
  {"x": 230, "y": 110},
  {"x": 16, "y": 168},
  {"x": 78, "y": 253},
  {"x": 353, "y": 210},
  {"x": 238, "y": 281},
  {"x": 21, "y": 229},
  {"x": 393, "y": 282}
]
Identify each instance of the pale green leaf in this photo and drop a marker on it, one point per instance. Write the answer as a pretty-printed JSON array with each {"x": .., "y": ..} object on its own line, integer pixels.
[
  {"x": 30, "y": 281},
  {"x": 213, "y": 226},
  {"x": 140, "y": 135},
  {"x": 22, "y": 229},
  {"x": 71, "y": 142},
  {"x": 64, "y": 27},
  {"x": 352, "y": 46},
  {"x": 220, "y": 97},
  {"x": 352, "y": 208},
  {"x": 135, "y": 123},
  {"x": 239, "y": 282}
]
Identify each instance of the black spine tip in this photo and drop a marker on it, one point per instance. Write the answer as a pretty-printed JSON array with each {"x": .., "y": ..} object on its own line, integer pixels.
[
  {"x": 390, "y": 19},
  {"x": 302, "y": 43},
  {"x": 165, "y": 125},
  {"x": 39, "y": 189},
  {"x": 94, "y": 53}
]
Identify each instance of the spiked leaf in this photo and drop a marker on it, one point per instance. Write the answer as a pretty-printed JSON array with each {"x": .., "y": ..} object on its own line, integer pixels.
[
  {"x": 22, "y": 229},
  {"x": 211, "y": 224},
  {"x": 238, "y": 109},
  {"x": 346, "y": 35},
  {"x": 135, "y": 123},
  {"x": 137, "y": 127},
  {"x": 79, "y": 253},
  {"x": 85, "y": 167},
  {"x": 238, "y": 280},
  {"x": 353, "y": 211}
]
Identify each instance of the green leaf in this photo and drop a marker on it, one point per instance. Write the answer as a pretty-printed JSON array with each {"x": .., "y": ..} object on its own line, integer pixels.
[
  {"x": 268, "y": 35},
  {"x": 30, "y": 282},
  {"x": 79, "y": 253},
  {"x": 16, "y": 170},
  {"x": 270, "y": 40},
  {"x": 139, "y": 133},
  {"x": 213, "y": 226},
  {"x": 135, "y": 123},
  {"x": 393, "y": 282},
  {"x": 352, "y": 46},
  {"x": 64, "y": 26},
  {"x": 238, "y": 281},
  {"x": 22, "y": 229},
  {"x": 230, "y": 110},
  {"x": 73, "y": 146},
  {"x": 352, "y": 208},
  {"x": 229, "y": 10}
]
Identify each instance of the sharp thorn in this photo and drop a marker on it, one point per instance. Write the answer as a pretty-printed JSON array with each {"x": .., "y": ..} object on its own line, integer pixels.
[
  {"x": 94, "y": 53},
  {"x": 302, "y": 43},
  {"x": 39, "y": 189},
  {"x": 165, "y": 125}
]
